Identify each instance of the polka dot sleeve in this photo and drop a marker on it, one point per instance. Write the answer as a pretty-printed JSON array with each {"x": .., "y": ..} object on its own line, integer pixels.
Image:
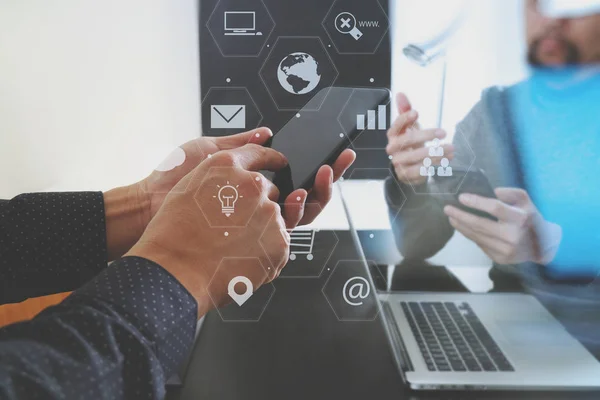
[
  {"x": 50, "y": 243},
  {"x": 118, "y": 337}
]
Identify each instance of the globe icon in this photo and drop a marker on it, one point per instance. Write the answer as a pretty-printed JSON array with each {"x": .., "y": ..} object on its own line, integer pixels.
[{"x": 298, "y": 73}]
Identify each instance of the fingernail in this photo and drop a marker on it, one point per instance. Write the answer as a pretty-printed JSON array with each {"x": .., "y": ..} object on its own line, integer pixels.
[
  {"x": 412, "y": 114},
  {"x": 265, "y": 130},
  {"x": 466, "y": 198},
  {"x": 284, "y": 158},
  {"x": 440, "y": 134}
]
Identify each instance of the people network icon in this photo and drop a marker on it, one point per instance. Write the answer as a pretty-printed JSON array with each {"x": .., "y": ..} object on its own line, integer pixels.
[{"x": 428, "y": 170}]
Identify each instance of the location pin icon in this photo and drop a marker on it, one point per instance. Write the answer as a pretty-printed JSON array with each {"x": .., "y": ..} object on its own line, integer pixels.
[{"x": 240, "y": 299}]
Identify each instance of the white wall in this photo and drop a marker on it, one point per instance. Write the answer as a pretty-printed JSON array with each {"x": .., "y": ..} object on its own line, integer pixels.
[
  {"x": 93, "y": 94},
  {"x": 487, "y": 50}
]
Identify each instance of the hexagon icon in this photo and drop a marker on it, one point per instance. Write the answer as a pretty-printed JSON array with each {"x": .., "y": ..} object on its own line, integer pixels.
[
  {"x": 247, "y": 303},
  {"x": 297, "y": 69},
  {"x": 310, "y": 249},
  {"x": 444, "y": 174},
  {"x": 350, "y": 290},
  {"x": 229, "y": 110},
  {"x": 176, "y": 165},
  {"x": 366, "y": 118},
  {"x": 355, "y": 28},
  {"x": 240, "y": 29},
  {"x": 228, "y": 203}
]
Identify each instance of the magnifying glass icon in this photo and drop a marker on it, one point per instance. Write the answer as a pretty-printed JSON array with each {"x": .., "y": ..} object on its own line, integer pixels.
[{"x": 345, "y": 23}]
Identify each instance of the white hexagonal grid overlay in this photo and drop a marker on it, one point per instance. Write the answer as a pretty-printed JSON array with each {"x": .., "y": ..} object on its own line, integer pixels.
[
  {"x": 323, "y": 23},
  {"x": 267, "y": 59},
  {"x": 266, "y": 37},
  {"x": 206, "y": 216},
  {"x": 164, "y": 173},
  {"x": 364, "y": 131},
  {"x": 235, "y": 88},
  {"x": 305, "y": 235},
  {"x": 473, "y": 158},
  {"x": 378, "y": 297},
  {"x": 264, "y": 307}
]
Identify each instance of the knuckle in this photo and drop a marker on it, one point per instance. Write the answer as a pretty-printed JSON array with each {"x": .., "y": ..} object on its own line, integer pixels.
[
  {"x": 260, "y": 180},
  {"x": 224, "y": 159},
  {"x": 390, "y": 133},
  {"x": 274, "y": 189},
  {"x": 272, "y": 208}
]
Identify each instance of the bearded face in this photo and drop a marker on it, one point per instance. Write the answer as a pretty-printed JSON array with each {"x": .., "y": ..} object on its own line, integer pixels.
[{"x": 561, "y": 41}]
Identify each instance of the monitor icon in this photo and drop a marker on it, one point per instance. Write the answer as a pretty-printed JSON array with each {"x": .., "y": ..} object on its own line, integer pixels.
[{"x": 241, "y": 23}]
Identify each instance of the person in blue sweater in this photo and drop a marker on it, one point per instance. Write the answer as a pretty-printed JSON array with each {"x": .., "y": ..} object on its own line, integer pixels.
[{"x": 539, "y": 145}]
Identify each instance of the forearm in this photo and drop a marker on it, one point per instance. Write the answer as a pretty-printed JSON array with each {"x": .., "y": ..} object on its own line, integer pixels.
[
  {"x": 122, "y": 336},
  {"x": 127, "y": 212}
]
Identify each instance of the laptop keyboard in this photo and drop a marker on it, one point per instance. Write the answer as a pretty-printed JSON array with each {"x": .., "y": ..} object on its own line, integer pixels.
[{"x": 452, "y": 338}]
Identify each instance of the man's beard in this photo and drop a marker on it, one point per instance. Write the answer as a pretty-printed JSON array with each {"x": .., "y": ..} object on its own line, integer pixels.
[{"x": 573, "y": 57}]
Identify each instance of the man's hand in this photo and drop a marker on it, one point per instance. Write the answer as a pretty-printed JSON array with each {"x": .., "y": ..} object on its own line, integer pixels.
[
  {"x": 155, "y": 187},
  {"x": 320, "y": 195},
  {"x": 130, "y": 209},
  {"x": 521, "y": 233},
  {"x": 406, "y": 144},
  {"x": 181, "y": 239},
  {"x": 159, "y": 183}
]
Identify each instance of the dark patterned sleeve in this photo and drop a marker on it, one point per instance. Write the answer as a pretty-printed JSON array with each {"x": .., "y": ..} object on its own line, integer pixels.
[
  {"x": 118, "y": 337},
  {"x": 50, "y": 243}
]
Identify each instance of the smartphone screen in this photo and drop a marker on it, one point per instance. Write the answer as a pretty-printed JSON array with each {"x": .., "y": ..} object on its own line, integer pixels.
[
  {"x": 315, "y": 138},
  {"x": 464, "y": 180}
]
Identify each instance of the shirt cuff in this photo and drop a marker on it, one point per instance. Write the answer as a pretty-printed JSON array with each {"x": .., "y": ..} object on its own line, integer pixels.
[{"x": 153, "y": 301}]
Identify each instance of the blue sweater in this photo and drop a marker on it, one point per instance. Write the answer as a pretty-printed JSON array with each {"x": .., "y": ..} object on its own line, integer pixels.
[{"x": 556, "y": 116}]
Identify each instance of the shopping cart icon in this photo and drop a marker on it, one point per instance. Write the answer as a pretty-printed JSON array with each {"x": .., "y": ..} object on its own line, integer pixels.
[{"x": 302, "y": 244}]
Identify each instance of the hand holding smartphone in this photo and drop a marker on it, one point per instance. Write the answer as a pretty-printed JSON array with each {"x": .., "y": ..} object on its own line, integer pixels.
[
  {"x": 312, "y": 139},
  {"x": 464, "y": 180}
]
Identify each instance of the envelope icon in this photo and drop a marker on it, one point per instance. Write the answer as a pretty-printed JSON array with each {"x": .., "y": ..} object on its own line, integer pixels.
[{"x": 228, "y": 117}]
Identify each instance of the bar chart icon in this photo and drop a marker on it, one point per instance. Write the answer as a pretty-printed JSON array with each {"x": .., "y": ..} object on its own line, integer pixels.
[{"x": 374, "y": 120}]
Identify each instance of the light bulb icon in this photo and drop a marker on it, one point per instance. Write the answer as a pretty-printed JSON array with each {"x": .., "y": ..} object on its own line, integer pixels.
[{"x": 228, "y": 196}]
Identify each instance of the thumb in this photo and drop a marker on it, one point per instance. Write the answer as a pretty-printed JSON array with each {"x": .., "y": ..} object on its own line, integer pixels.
[
  {"x": 403, "y": 103},
  {"x": 257, "y": 136}
]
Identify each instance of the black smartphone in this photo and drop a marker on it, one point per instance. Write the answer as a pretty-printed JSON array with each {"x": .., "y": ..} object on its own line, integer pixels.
[
  {"x": 464, "y": 180},
  {"x": 312, "y": 138}
]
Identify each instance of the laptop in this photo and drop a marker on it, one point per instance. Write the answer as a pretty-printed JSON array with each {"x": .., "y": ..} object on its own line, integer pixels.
[
  {"x": 484, "y": 342},
  {"x": 465, "y": 341}
]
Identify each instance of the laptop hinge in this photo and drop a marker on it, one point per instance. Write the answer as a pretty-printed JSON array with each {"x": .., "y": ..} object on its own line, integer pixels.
[{"x": 399, "y": 349}]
